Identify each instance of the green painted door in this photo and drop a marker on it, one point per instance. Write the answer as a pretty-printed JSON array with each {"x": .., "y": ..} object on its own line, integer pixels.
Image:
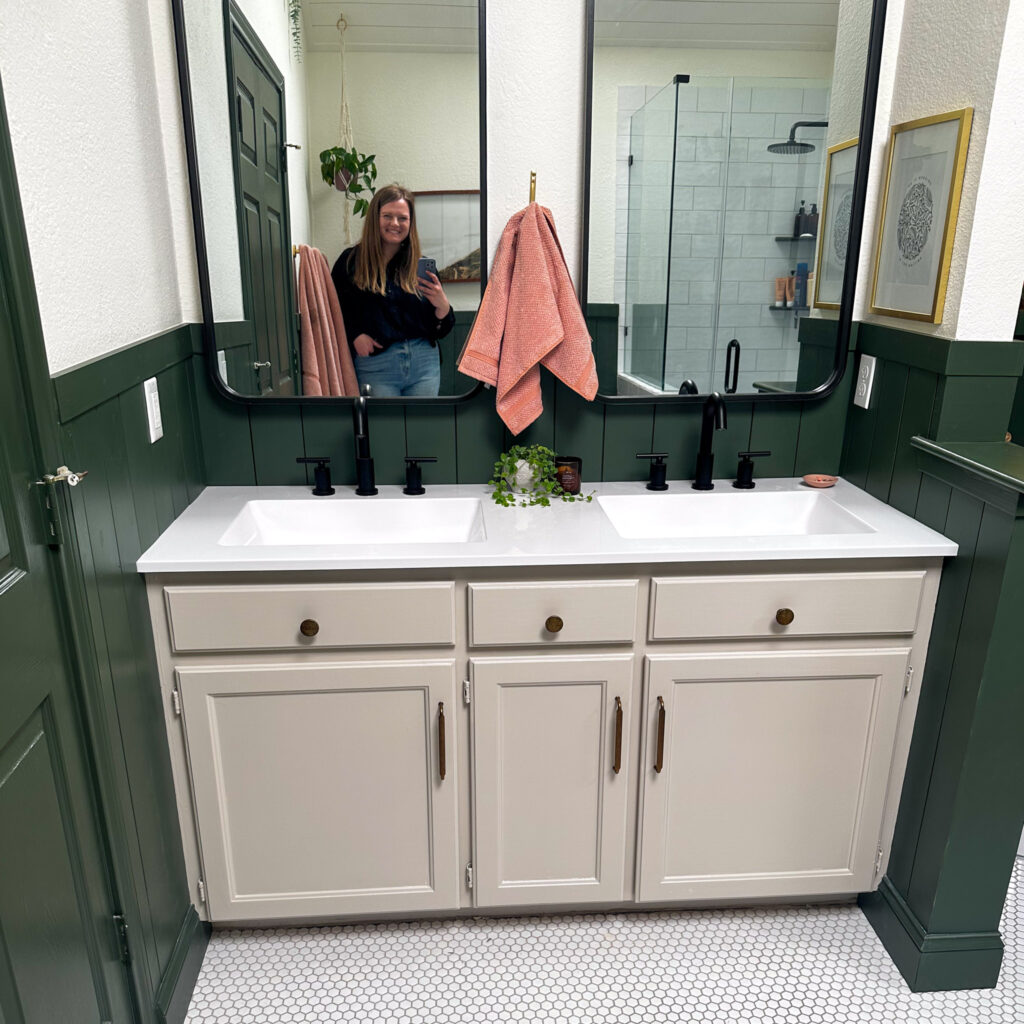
[
  {"x": 262, "y": 202},
  {"x": 59, "y": 955}
]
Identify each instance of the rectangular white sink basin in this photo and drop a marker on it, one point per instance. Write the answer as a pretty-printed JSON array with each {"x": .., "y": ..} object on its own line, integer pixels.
[
  {"x": 731, "y": 513},
  {"x": 372, "y": 521}
]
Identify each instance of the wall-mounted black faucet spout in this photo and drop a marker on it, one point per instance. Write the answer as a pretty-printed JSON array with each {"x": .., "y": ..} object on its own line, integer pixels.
[
  {"x": 361, "y": 426},
  {"x": 713, "y": 418}
]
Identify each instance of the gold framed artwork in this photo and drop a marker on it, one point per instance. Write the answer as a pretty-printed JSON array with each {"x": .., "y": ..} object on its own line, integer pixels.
[
  {"x": 918, "y": 219},
  {"x": 836, "y": 213}
]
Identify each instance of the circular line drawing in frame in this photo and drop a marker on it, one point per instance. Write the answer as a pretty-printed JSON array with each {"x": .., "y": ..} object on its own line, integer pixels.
[
  {"x": 841, "y": 230},
  {"x": 915, "y": 221}
]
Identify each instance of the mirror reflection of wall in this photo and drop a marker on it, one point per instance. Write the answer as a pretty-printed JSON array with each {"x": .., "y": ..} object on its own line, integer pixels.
[
  {"x": 692, "y": 218},
  {"x": 411, "y": 88}
]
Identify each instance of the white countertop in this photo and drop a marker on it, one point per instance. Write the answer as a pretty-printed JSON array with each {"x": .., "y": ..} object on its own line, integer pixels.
[{"x": 579, "y": 533}]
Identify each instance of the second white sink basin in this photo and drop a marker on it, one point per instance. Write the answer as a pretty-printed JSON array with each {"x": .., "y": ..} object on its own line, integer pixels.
[
  {"x": 371, "y": 521},
  {"x": 731, "y": 513}
]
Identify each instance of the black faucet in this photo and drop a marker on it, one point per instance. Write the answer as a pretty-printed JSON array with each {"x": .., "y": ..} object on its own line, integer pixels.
[
  {"x": 713, "y": 418},
  {"x": 321, "y": 474},
  {"x": 361, "y": 425}
]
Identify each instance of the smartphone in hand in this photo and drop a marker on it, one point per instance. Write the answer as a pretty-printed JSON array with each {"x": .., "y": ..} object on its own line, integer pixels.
[{"x": 426, "y": 266}]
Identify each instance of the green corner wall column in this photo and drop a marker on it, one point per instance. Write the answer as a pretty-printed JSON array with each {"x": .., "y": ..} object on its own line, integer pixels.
[{"x": 937, "y": 910}]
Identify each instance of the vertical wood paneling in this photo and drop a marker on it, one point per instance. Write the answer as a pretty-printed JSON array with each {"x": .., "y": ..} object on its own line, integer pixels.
[
  {"x": 888, "y": 398},
  {"x": 960, "y": 523},
  {"x": 579, "y": 430},
  {"x": 327, "y": 431},
  {"x": 387, "y": 443},
  {"x": 430, "y": 430},
  {"x": 918, "y": 400},
  {"x": 629, "y": 429},
  {"x": 820, "y": 445},
  {"x": 228, "y": 449},
  {"x": 775, "y": 428},
  {"x": 479, "y": 436},
  {"x": 276, "y": 443}
]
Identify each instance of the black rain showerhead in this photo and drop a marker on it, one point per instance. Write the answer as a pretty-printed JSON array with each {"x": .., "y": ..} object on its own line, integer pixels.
[{"x": 791, "y": 147}]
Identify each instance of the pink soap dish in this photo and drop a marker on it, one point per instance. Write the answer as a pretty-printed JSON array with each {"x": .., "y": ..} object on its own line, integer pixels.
[{"x": 820, "y": 480}]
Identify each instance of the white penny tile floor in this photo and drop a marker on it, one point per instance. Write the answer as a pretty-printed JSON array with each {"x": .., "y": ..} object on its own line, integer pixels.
[{"x": 792, "y": 965}]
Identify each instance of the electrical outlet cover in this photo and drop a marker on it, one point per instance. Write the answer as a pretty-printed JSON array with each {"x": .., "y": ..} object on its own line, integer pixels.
[
  {"x": 865, "y": 381},
  {"x": 152, "y": 395}
]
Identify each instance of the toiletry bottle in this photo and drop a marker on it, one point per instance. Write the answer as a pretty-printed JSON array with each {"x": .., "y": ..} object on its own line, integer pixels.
[
  {"x": 811, "y": 225},
  {"x": 791, "y": 289},
  {"x": 801, "y": 285},
  {"x": 799, "y": 220},
  {"x": 780, "y": 292}
]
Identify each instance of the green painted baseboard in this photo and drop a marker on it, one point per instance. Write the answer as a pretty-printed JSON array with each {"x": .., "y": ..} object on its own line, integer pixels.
[
  {"x": 931, "y": 962},
  {"x": 179, "y": 979}
]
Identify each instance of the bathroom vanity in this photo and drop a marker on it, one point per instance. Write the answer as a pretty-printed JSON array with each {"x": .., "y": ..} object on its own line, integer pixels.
[{"x": 648, "y": 699}]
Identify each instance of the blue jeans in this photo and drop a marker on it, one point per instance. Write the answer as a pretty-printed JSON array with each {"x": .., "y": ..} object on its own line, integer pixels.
[{"x": 404, "y": 369}]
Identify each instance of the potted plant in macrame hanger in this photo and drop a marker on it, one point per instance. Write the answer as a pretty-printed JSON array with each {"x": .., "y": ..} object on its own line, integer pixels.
[{"x": 352, "y": 173}]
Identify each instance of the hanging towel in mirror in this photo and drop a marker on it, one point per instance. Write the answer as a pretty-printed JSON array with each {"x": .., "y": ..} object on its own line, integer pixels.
[
  {"x": 326, "y": 361},
  {"x": 529, "y": 317}
]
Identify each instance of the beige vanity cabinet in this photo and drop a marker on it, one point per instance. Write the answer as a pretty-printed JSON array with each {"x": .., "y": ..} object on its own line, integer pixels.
[
  {"x": 551, "y": 778},
  {"x": 325, "y": 788},
  {"x": 764, "y": 773}
]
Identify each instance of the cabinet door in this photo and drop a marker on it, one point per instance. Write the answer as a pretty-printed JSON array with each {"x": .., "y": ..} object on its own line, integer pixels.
[
  {"x": 318, "y": 787},
  {"x": 773, "y": 772},
  {"x": 549, "y": 808}
]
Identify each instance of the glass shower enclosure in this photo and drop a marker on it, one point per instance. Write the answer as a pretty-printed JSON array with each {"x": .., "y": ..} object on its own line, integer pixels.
[{"x": 711, "y": 223}]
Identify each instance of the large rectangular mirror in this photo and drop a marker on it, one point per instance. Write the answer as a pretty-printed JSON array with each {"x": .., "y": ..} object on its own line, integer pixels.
[
  {"x": 275, "y": 85},
  {"x": 713, "y": 130}
]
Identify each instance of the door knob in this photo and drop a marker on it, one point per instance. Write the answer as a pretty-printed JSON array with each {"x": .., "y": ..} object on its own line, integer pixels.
[
  {"x": 309, "y": 627},
  {"x": 784, "y": 616},
  {"x": 553, "y": 623}
]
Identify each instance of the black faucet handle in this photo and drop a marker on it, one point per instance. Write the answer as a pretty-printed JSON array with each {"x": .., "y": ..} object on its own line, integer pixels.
[
  {"x": 413, "y": 473},
  {"x": 321, "y": 473},
  {"x": 658, "y": 470},
  {"x": 745, "y": 470}
]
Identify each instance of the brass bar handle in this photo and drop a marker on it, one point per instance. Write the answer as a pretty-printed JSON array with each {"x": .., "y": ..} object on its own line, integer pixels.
[
  {"x": 617, "y": 766},
  {"x": 440, "y": 740},
  {"x": 659, "y": 762}
]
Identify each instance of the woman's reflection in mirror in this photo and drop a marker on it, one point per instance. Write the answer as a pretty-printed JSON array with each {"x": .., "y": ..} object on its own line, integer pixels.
[{"x": 393, "y": 318}]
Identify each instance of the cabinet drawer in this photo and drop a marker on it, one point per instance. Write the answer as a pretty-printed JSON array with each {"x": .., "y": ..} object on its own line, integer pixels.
[
  {"x": 591, "y": 612},
  {"x": 822, "y": 604},
  {"x": 267, "y": 617}
]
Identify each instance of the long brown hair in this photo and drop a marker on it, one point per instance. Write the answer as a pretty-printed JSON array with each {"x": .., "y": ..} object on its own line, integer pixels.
[{"x": 371, "y": 270}]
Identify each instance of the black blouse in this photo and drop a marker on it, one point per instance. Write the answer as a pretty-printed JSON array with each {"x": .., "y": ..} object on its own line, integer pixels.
[{"x": 396, "y": 316}]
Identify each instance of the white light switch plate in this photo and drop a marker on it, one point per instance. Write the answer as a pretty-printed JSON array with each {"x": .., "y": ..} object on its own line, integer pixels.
[
  {"x": 865, "y": 381},
  {"x": 156, "y": 424}
]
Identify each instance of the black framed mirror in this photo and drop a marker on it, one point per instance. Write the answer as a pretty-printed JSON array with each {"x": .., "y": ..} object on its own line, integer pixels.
[
  {"x": 268, "y": 88},
  {"x": 724, "y": 203}
]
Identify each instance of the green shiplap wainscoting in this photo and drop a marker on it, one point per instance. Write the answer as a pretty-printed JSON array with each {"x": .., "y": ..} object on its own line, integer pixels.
[
  {"x": 258, "y": 445},
  {"x": 132, "y": 493},
  {"x": 937, "y": 910},
  {"x": 943, "y": 390}
]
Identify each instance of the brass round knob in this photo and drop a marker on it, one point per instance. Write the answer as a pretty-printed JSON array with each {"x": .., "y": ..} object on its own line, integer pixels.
[
  {"x": 553, "y": 623},
  {"x": 309, "y": 627},
  {"x": 784, "y": 616}
]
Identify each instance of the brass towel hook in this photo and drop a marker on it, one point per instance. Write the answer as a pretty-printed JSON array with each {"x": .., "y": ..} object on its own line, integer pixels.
[{"x": 533, "y": 186}]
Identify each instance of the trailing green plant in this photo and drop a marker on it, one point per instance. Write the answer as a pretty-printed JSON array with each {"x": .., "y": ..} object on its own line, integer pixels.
[
  {"x": 354, "y": 171},
  {"x": 526, "y": 475},
  {"x": 295, "y": 22}
]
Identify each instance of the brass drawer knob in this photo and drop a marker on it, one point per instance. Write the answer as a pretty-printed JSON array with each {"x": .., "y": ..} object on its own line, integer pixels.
[
  {"x": 784, "y": 616},
  {"x": 553, "y": 623},
  {"x": 309, "y": 627}
]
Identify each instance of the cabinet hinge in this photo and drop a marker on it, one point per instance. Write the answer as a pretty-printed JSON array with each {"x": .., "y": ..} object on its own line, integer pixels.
[
  {"x": 466, "y": 692},
  {"x": 878, "y": 861},
  {"x": 909, "y": 680},
  {"x": 176, "y": 702},
  {"x": 469, "y": 875},
  {"x": 201, "y": 889},
  {"x": 121, "y": 937}
]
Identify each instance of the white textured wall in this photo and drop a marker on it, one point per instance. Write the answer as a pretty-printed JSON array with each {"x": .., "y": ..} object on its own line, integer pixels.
[
  {"x": 418, "y": 113},
  {"x": 949, "y": 57},
  {"x": 535, "y": 115},
  {"x": 96, "y": 135}
]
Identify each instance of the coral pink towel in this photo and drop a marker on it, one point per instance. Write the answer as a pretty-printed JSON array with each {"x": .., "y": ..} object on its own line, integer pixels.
[
  {"x": 326, "y": 361},
  {"x": 529, "y": 316}
]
